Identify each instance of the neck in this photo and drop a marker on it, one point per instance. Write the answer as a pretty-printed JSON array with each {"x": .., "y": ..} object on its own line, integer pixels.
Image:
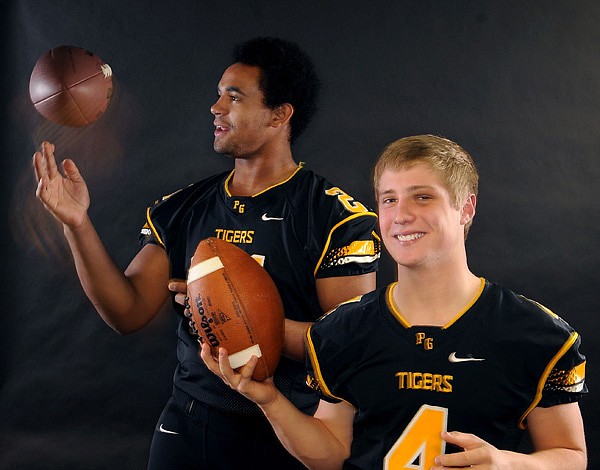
[
  {"x": 255, "y": 174},
  {"x": 250, "y": 179},
  {"x": 434, "y": 297}
]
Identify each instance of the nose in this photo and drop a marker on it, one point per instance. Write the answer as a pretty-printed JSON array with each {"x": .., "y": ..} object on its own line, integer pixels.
[
  {"x": 403, "y": 215},
  {"x": 217, "y": 108}
]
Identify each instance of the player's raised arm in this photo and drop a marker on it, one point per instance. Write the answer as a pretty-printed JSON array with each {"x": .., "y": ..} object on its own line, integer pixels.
[
  {"x": 321, "y": 442},
  {"x": 125, "y": 301}
]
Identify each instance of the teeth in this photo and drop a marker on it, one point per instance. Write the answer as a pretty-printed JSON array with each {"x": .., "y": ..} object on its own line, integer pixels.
[{"x": 407, "y": 238}]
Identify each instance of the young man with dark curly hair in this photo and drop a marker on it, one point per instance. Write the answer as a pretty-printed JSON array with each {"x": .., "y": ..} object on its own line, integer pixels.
[{"x": 316, "y": 241}]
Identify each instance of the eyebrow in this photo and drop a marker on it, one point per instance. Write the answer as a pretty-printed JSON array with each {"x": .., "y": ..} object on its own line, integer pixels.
[
  {"x": 387, "y": 191},
  {"x": 416, "y": 187},
  {"x": 235, "y": 89},
  {"x": 419, "y": 187}
]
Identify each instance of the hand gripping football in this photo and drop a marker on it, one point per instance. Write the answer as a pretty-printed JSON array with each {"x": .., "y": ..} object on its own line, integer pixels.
[{"x": 234, "y": 303}]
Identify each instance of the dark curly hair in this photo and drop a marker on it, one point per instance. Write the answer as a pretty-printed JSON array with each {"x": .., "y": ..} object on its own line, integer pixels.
[{"x": 287, "y": 76}]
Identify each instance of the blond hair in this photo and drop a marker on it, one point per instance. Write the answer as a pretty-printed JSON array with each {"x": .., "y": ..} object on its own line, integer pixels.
[{"x": 454, "y": 165}]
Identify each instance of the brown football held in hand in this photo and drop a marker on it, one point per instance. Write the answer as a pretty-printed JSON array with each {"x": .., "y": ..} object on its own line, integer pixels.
[{"x": 233, "y": 303}]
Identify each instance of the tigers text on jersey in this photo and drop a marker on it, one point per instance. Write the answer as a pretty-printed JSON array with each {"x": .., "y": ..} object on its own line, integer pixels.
[
  {"x": 483, "y": 373},
  {"x": 301, "y": 229}
]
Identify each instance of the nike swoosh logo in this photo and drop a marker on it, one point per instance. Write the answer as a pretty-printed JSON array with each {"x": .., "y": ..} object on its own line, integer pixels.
[
  {"x": 452, "y": 358},
  {"x": 266, "y": 218},
  {"x": 166, "y": 431}
]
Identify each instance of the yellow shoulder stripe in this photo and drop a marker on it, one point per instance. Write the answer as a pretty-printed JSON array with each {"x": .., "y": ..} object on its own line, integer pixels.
[
  {"x": 317, "y": 368},
  {"x": 540, "y": 388},
  {"x": 151, "y": 225}
]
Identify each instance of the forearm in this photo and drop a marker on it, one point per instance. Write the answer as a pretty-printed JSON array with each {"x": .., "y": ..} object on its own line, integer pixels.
[
  {"x": 320, "y": 442},
  {"x": 104, "y": 283},
  {"x": 559, "y": 446},
  {"x": 551, "y": 459},
  {"x": 305, "y": 437}
]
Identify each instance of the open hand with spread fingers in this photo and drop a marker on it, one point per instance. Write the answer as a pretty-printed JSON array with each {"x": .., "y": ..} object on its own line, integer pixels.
[{"x": 65, "y": 196}]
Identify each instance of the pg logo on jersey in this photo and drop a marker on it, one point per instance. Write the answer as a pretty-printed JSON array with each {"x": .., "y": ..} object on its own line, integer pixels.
[
  {"x": 422, "y": 339},
  {"x": 239, "y": 207}
]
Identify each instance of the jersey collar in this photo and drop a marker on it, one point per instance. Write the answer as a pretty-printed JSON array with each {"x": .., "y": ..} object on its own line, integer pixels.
[{"x": 228, "y": 193}]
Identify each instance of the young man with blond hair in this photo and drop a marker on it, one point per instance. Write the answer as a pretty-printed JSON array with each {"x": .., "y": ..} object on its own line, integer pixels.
[{"x": 443, "y": 368}]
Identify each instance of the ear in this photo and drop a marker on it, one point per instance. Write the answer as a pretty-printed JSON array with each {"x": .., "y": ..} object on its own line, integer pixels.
[
  {"x": 467, "y": 212},
  {"x": 282, "y": 115}
]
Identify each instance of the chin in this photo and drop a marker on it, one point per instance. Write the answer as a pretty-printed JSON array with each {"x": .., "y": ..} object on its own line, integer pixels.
[
  {"x": 221, "y": 150},
  {"x": 404, "y": 261}
]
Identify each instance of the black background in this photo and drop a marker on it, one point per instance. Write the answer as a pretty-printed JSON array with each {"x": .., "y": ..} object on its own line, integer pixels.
[{"x": 515, "y": 82}]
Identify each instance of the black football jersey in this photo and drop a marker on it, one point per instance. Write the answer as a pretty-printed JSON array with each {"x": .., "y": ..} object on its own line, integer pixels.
[
  {"x": 482, "y": 373},
  {"x": 301, "y": 229}
]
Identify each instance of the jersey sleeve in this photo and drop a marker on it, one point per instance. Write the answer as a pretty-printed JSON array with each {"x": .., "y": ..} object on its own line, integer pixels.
[
  {"x": 565, "y": 380},
  {"x": 164, "y": 216},
  {"x": 562, "y": 373},
  {"x": 331, "y": 350},
  {"x": 314, "y": 368},
  {"x": 152, "y": 232},
  {"x": 350, "y": 244}
]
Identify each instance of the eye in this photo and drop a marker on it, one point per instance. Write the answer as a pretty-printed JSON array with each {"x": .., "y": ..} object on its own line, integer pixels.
[
  {"x": 234, "y": 97},
  {"x": 388, "y": 200}
]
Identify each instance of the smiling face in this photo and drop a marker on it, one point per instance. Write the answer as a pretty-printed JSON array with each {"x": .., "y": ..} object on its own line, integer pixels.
[
  {"x": 243, "y": 123},
  {"x": 420, "y": 223}
]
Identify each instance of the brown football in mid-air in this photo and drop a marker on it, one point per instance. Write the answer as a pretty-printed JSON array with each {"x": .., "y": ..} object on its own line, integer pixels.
[{"x": 71, "y": 86}]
